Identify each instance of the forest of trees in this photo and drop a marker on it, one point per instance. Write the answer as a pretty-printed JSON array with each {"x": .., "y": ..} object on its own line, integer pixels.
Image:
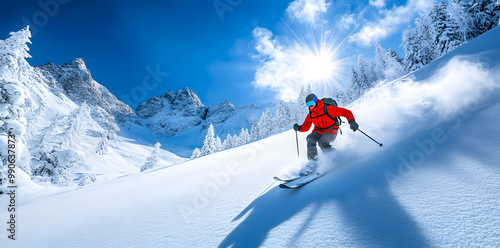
[{"x": 437, "y": 31}]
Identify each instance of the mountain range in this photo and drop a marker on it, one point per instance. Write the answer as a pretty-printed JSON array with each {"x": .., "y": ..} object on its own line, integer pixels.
[{"x": 169, "y": 115}]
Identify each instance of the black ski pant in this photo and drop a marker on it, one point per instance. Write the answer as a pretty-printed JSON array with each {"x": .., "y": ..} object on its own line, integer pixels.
[{"x": 323, "y": 140}]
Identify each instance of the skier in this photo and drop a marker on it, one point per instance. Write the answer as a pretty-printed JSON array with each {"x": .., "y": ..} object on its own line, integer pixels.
[{"x": 325, "y": 129}]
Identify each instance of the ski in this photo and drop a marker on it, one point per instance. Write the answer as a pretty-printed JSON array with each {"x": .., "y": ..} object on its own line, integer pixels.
[
  {"x": 286, "y": 180},
  {"x": 299, "y": 182}
]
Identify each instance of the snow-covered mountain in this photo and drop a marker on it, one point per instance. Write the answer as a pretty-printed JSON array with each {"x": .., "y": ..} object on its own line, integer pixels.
[
  {"x": 180, "y": 112},
  {"x": 435, "y": 182},
  {"x": 76, "y": 82},
  {"x": 65, "y": 124}
]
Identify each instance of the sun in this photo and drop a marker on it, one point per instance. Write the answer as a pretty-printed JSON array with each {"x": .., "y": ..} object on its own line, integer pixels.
[
  {"x": 319, "y": 61},
  {"x": 319, "y": 66}
]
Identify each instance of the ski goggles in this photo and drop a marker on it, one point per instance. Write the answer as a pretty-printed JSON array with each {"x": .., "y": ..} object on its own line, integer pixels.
[{"x": 312, "y": 102}]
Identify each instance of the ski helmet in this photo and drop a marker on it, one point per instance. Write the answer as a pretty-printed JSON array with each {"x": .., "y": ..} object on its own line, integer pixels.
[{"x": 311, "y": 100}]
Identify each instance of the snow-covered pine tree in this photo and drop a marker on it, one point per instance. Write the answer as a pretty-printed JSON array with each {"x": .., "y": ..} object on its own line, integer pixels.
[
  {"x": 255, "y": 131},
  {"x": 458, "y": 10},
  {"x": 102, "y": 146},
  {"x": 485, "y": 15},
  {"x": 52, "y": 156},
  {"x": 76, "y": 125},
  {"x": 14, "y": 97},
  {"x": 153, "y": 160},
  {"x": 196, "y": 153},
  {"x": 235, "y": 141},
  {"x": 244, "y": 137},
  {"x": 380, "y": 61},
  {"x": 352, "y": 91},
  {"x": 13, "y": 52},
  {"x": 364, "y": 74},
  {"x": 444, "y": 29},
  {"x": 394, "y": 66},
  {"x": 210, "y": 143},
  {"x": 360, "y": 79},
  {"x": 419, "y": 45},
  {"x": 218, "y": 144},
  {"x": 283, "y": 115},
  {"x": 266, "y": 124},
  {"x": 228, "y": 142}
]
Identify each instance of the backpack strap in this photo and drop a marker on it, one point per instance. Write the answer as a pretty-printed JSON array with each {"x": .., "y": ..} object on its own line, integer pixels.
[{"x": 337, "y": 120}]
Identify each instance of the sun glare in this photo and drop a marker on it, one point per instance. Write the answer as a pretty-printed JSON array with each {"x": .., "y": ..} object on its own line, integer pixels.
[
  {"x": 319, "y": 61},
  {"x": 319, "y": 67}
]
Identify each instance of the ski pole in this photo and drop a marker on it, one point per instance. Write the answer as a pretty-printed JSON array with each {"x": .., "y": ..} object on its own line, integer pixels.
[
  {"x": 380, "y": 144},
  {"x": 297, "y": 141}
]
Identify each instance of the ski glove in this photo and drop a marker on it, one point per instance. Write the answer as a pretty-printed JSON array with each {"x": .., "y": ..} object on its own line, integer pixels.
[
  {"x": 296, "y": 127},
  {"x": 354, "y": 125}
]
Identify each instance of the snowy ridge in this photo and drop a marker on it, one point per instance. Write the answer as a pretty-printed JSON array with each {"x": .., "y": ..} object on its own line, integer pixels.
[
  {"x": 434, "y": 184},
  {"x": 177, "y": 113},
  {"x": 76, "y": 82}
]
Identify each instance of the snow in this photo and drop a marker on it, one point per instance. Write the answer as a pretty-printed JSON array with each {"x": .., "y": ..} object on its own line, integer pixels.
[{"x": 435, "y": 182}]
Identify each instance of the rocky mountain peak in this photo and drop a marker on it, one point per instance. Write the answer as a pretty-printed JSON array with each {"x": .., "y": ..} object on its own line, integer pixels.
[
  {"x": 184, "y": 97},
  {"x": 78, "y": 84}
]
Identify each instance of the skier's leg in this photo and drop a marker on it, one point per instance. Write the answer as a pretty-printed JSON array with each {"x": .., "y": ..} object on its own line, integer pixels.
[
  {"x": 325, "y": 142},
  {"x": 312, "y": 150}
]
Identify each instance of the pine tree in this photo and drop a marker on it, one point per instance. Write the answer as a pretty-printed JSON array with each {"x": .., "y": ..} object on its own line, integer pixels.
[
  {"x": 102, "y": 146},
  {"x": 283, "y": 115},
  {"x": 485, "y": 15},
  {"x": 218, "y": 144},
  {"x": 266, "y": 124},
  {"x": 380, "y": 61},
  {"x": 444, "y": 29},
  {"x": 17, "y": 43},
  {"x": 359, "y": 79},
  {"x": 255, "y": 131},
  {"x": 14, "y": 72},
  {"x": 228, "y": 142},
  {"x": 153, "y": 160},
  {"x": 419, "y": 45},
  {"x": 394, "y": 66},
  {"x": 196, "y": 153},
  {"x": 458, "y": 10},
  {"x": 353, "y": 87},
  {"x": 76, "y": 125},
  {"x": 16, "y": 47},
  {"x": 210, "y": 145},
  {"x": 244, "y": 137},
  {"x": 363, "y": 73}
]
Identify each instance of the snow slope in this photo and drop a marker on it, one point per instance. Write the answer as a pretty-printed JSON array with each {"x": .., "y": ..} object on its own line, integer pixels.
[{"x": 435, "y": 182}]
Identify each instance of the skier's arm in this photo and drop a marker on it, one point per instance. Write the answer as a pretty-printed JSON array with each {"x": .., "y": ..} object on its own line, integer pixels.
[
  {"x": 306, "y": 125},
  {"x": 336, "y": 111},
  {"x": 348, "y": 115}
]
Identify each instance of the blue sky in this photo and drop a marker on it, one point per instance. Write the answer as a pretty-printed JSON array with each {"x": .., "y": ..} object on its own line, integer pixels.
[{"x": 240, "y": 50}]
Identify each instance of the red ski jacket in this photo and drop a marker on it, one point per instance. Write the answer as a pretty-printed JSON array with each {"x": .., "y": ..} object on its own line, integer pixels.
[{"x": 323, "y": 123}]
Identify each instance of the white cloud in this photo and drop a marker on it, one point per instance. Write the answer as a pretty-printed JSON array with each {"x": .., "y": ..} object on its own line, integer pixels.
[
  {"x": 378, "y": 3},
  {"x": 374, "y": 31},
  {"x": 307, "y": 11},
  {"x": 285, "y": 68},
  {"x": 347, "y": 21}
]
